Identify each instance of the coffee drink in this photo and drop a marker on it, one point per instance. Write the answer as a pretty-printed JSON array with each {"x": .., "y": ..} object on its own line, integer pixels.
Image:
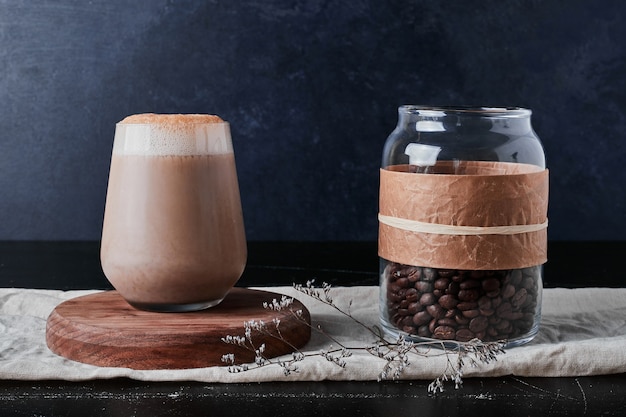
[{"x": 173, "y": 235}]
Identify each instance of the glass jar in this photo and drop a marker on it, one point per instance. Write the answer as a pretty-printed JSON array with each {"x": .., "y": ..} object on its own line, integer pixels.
[{"x": 462, "y": 225}]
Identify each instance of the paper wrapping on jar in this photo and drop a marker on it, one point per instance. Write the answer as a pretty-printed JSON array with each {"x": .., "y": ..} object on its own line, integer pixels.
[{"x": 472, "y": 215}]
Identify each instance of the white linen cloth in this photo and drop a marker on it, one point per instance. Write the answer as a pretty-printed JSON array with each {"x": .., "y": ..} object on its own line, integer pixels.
[{"x": 583, "y": 332}]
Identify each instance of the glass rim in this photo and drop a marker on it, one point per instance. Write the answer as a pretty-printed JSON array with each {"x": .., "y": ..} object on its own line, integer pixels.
[
  {"x": 480, "y": 111},
  {"x": 190, "y": 123}
]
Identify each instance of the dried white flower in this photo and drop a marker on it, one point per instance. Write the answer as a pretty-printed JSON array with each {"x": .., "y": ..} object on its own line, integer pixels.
[
  {"x": 397, "y": 354},
  {"x": 275, "y": 305}
]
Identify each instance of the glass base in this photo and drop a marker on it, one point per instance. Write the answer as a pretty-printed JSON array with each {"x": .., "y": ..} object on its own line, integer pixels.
[
  {"x": 394, "y": 334},
  {"x": 447, "y": 307},
  {"x": 174, "y": 308}
]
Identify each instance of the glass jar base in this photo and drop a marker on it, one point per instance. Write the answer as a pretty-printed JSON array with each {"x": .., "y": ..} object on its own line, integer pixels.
[
  {"x": 175, "y": 308},
  {"x": 394, "y": 333}
]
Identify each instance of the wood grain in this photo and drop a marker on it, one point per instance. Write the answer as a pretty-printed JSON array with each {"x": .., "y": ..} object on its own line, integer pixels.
[{"x": 103, "y": 329}]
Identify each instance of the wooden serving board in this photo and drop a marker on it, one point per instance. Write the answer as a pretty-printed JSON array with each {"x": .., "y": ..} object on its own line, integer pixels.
[{"x": 103, "y": 329}]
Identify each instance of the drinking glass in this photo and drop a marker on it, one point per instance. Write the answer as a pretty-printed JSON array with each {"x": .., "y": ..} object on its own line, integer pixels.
[{"x": 173, "y": 234}]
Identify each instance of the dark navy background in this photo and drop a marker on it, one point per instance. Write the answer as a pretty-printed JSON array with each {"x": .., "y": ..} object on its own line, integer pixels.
[{"x": 311, "y": 89}]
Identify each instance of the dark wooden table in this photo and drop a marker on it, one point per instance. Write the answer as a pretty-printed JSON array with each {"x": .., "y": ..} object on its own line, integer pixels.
[{"x": 75, "y": 265}]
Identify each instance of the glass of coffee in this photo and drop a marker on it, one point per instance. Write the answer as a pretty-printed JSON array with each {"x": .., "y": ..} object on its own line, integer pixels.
[{"x": 173, "y": 237}]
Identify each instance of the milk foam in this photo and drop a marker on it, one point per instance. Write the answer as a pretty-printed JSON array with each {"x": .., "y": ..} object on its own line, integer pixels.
[{"x": 161, "y": 135}]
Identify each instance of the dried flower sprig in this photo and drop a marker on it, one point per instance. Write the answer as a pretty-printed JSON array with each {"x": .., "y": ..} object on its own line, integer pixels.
[
  {"x": 397, "y": 354},
  {"x": 259, "y": 326}
]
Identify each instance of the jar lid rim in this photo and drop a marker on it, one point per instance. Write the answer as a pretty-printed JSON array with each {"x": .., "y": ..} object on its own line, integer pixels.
[{"x": 440, "y": 111}]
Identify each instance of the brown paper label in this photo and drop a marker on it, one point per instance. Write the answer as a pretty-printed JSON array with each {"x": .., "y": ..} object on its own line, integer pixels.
[{"x": 470, "y": 215}]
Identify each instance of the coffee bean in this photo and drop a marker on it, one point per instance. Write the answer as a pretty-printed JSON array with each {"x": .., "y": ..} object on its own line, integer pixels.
[
  {"x": 442, "y": 283},
  {"x": 436, "y": 311},
  {"x": 446, "y": 322},
  {"x": 484, "y": 302},
  {"x": 446, "y": 273},
  {"x": 411, "y": 294},
  {"x": 414, "y": 274},
  {"x": 504, "y": 308},
  {"x": 493, "y": 294},
  {"x": 470, "y": 314},
  {"x": 470, "y": 283},
  {"x": 478, "y": 324},
  {"x": 519, "y": 298},
  {"x": 421, "y": 317},
  {"x": 487, "y": 312},
  {"x": 458, "y": 277},
  {"x": 469, "y": 295},
  {"x": 448, "y": 301},
  {"x": 409, "y": 329},
  {"x": 467, "y": 305},
  {"x": 414, "y": 308},
  {"x": 402, "y": 282},
  {"x": 423, "y": 286},
  {"x": 464, "y": 335},
  {"x": 444, "y": 332},
  {"x": 508, "y": 291},
  {"x": 423, "y": 331},
  {"x": 427, "y": 299},
  {"x": 406, "y": 321}
]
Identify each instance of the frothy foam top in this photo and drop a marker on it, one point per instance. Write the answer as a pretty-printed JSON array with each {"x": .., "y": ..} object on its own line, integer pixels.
[
  {"x": 172, "y": 120},
  {"x": 172, "y": 134}
]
